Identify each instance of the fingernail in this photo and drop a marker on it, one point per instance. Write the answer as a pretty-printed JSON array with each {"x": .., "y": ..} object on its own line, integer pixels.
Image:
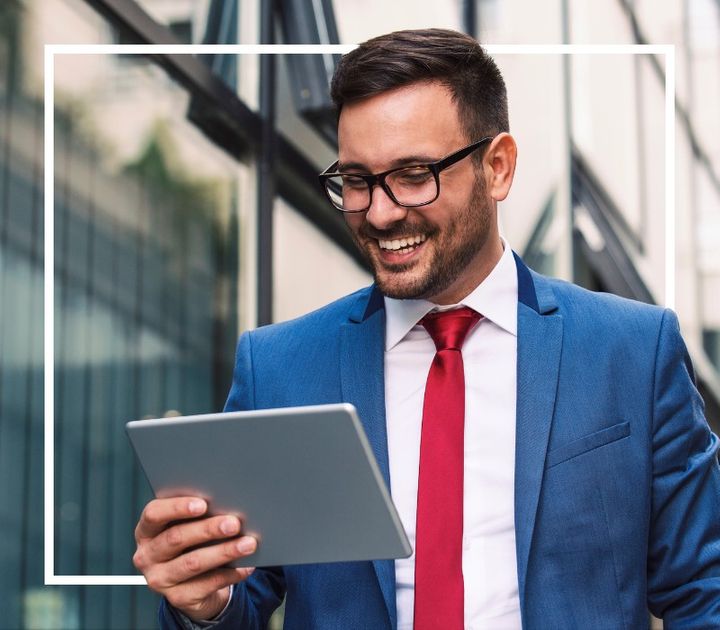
[
  {"x": 247, "y": 545},
  {"x": 230, "y": 526},
  {"x": 196, "y": 506}
]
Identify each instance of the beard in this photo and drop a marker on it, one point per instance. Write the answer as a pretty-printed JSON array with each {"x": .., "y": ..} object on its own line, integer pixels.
[{"x": 454, "y": 247}]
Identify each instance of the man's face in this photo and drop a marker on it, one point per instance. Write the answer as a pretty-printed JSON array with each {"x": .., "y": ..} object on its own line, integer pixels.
[{"x": 440, "y": 251}]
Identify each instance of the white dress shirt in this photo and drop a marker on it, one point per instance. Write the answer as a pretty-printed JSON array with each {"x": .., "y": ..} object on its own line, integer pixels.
[{"x": 490, "y": 359}]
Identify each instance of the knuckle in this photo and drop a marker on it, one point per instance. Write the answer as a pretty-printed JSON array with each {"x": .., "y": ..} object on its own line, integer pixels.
[
  {"x": 138, "y": 559},
  {"x": 226, "y": 576},
  {"x": 151, "y": 514},
  {"x": 211, "y": 528},
  {"x": 191, "y": 563},
  {"x": 230, "y": 551},
  {"x": 154, "y": 582},
  {"x": 178, "y": 510},
  {"x": 174, "y": 537},
  {"x": 216, "y": 580}
]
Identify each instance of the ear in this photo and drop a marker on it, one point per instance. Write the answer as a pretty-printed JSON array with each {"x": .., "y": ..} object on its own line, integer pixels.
[{"x": 499, "y": 163}]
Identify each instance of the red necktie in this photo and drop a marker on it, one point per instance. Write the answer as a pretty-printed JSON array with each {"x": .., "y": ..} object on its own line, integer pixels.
[{"x": 439, "y": 589}]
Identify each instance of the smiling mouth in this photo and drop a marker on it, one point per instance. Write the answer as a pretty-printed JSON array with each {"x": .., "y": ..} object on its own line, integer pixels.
[{"x": 402, "y": 245}]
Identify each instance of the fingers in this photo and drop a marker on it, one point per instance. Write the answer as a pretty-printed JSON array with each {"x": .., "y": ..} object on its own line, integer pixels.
[
  {"x": 173, "y": 554},
  {"x": 177, "y": 538},
  {"x": 186, "y": 568},
  {"x": 159, "y": 513}
]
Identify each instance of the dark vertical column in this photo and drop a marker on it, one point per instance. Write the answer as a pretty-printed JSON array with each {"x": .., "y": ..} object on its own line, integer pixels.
[
  {"x": 136, "y": 377},
  {"x": 469, "y": 17},
  {"x": 148, "y": 366},
  {"x": 17, "y": 268},
  {"x": 32, "y": 528},
  {"x": 66, "y": 382},
  {"x": 63, "y": 157},
  {"x": 8, "y": 583},
  {"x": 127, "y": 272},
  {"x": 225, "y": 323},
  {"x": 86, "y": 455},
  {"x": 266, "y": 168},
  {"x": 99, "y": 405}
]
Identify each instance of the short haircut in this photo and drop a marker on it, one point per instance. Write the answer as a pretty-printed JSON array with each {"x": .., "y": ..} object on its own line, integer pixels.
[{"x": 453, "y": 59}]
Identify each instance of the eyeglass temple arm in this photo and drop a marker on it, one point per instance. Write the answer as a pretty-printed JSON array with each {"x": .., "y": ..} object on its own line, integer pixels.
[{"x": 463, "y": 153}]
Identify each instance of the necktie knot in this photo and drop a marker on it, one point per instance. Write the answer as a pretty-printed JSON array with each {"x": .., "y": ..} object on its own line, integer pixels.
[{"x": 448, "y": 329}]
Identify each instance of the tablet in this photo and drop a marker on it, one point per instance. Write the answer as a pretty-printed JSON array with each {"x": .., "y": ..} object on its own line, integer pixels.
[{"x": 303, "y": 480}]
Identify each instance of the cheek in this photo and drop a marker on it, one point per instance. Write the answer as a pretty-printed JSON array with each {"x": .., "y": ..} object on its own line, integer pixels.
[
  {"x": 354, "y": 221},
  {"x": 455, "y": 197},
  {"x": 443, "y": 218}
]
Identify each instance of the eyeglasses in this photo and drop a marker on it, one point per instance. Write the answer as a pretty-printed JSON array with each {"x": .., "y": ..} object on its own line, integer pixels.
[{"x": 408, "y": 186}]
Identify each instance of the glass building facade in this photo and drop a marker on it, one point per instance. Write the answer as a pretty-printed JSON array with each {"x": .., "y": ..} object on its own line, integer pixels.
[
  {"x": 146, "y": 293},
  {"x": 161, "y": 257}
]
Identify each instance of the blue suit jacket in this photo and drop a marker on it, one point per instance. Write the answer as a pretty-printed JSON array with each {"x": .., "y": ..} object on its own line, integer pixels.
[{"x": 617, "y": 485}]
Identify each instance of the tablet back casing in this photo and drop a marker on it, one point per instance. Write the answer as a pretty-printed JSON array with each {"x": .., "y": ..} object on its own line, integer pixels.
[{"x": 303, "y": 480}]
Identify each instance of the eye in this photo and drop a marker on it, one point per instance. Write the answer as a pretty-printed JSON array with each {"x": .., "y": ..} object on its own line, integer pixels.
[
  {"x": 353, "y": 182},
  {"x": 413, "y": 175}
]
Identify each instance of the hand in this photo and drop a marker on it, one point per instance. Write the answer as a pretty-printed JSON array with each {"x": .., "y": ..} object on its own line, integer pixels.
[{"x": 194, "y": 580}]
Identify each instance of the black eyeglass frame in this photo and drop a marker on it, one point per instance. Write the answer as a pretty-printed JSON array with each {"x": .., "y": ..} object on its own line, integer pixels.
[{"x": 378, "y": 179}]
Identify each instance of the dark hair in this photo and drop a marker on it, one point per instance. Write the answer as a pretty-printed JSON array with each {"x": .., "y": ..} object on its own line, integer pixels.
[{"x": 454, "y": 59}]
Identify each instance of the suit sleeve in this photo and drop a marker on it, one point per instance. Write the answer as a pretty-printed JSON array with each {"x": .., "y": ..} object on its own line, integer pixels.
[
  {"x": 684, "y": 543},
  {"x": 254, "y": 600}
]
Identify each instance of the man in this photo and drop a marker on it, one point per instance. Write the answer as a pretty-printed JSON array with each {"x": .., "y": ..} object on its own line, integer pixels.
[{"x": 582, "y": 487}]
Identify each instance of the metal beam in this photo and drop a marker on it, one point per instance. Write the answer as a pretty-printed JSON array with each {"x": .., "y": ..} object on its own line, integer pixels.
[
  {"x": 469, "y": 17},
  {"x": 681, "y": 112},
  {"x": 232, "y": 125},
  {"x": 266, "y": 170}
]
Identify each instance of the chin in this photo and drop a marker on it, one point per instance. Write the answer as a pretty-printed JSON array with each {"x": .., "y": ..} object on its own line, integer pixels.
[
  {"x": 400, "y": 289},
  {"x": 401, "y": 282}
]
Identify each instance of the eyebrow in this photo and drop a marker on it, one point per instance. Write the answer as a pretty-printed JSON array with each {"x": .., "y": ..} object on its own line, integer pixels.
[{"x": 409, "y": 160}]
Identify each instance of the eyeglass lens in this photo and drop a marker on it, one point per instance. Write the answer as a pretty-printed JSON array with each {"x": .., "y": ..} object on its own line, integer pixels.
[{"x": 412, "y": 186}]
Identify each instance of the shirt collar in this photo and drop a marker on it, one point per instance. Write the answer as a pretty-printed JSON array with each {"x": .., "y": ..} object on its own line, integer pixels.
[{"x": 495, "y": 298}]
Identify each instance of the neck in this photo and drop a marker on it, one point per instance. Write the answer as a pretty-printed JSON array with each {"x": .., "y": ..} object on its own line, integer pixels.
[{"x": 476, "y": 272}]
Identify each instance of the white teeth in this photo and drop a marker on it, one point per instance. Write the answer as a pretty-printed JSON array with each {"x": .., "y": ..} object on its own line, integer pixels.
[{"x": 404, "y": 245}]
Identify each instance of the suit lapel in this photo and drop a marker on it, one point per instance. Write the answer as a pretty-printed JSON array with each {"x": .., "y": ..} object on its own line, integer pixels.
[
  {"x": 362, "y": 374},
  {"x": 538, "y": 362}
]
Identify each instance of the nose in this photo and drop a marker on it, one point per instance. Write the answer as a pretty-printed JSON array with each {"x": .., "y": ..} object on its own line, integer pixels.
[{"x": 383, "y": 211}]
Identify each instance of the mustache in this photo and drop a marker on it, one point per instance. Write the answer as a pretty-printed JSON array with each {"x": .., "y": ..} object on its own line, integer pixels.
[{"x": 395, "y": 232}]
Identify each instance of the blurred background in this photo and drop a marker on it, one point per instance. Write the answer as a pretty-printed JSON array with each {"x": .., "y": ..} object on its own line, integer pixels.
[{"x": 187, "y": 210}]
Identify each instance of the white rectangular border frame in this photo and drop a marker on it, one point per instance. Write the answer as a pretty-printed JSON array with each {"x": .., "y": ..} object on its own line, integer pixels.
[{"x": 51, "y": 50}]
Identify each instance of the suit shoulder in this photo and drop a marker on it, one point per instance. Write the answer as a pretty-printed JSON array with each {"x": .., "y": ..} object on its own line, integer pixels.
[
  {"x": 597, "y": 310},
  {"x": 323, "y": 322}
]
